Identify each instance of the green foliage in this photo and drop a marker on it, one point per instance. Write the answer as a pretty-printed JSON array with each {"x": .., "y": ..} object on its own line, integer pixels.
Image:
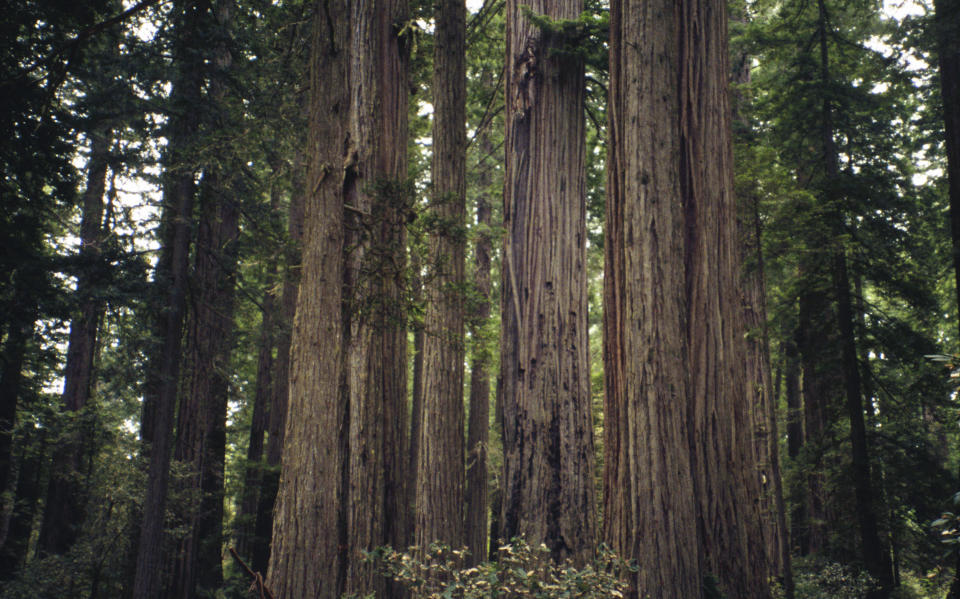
[
  {"x": 828, "y": 580},
  {"x": 519, "y": 571},
  {"x": 583, "y": 39}
]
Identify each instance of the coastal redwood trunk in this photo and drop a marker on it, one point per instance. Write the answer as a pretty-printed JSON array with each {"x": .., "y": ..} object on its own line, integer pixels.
[
  {"x": 946, "y": 16},
  {"x": 478, "y": 422},
  {"x": 548, "y": 494},
  {"x": 759, "y": 386},
  {"x": 64, "y": 509},
  {"x": 440, "y": 469},
  {"x": 817, "y": 345},
  {"x": 725, "y": 480},
  {"x": 163, "y": 372},
  {"x": 15, "y": 541},
  {"x": 680, "y": 471},
  {"x": 342, "y": 487},
  {"x": 796, "y": 491},
  {"x": 649, "y": 506},
  {"x": 764, "y": 405}
]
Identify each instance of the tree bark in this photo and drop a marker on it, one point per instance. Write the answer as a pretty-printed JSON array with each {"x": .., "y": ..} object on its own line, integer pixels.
[
  {"x": 15, "y": 545},
  {"x": 253, "y": 475},
  {"x": 548, "y": 490},
  {"x": 675, "y": 361},
  {"x": 946, "y": 16},
  {"x": 342, "y": 486},
  {"x": 441, "y": 476},
  {"x": 798, "y": 524},
  {"x": 725, "y": 479},
  {"x": 650, "y": 512}
]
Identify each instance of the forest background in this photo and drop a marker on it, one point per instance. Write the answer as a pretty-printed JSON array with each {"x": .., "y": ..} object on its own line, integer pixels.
[{"x": 163, "y": 164}]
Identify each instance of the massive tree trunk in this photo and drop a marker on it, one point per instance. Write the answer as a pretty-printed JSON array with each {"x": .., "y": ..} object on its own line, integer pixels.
[
  {"x": 677, "y": 402},
  {"x": 440, "y": 468},
  {"x": 342, "y": 489},
  {"x": 478, "y": 431},
  {"x": 548, "y": 494},
  {"x": 64, "y": 509},
  {"x": 650, "y": 512},
  {"x": 163, "y": 373},
  {"x": 725, "y": 479}
]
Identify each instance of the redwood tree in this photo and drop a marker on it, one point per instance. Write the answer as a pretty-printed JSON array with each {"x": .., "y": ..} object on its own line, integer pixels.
[
  {"x": 675, "y": 361},
  {"x": 342, "y": 487},
  {"x": 547, "y": 479},
  {"x": 440, "y": 476}
]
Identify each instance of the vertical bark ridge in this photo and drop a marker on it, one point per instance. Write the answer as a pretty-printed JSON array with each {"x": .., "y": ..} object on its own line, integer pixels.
[
  {"x": 547, "y": 433},
  {"x": 306, "y": 557},
  {"x": 343, "y": 483}
]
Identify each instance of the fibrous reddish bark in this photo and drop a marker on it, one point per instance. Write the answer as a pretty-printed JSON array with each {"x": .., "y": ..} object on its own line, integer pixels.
[
  {"x": 675, "y": 362},
  {"x": 548, "y": 494},
  {"x": 342, "y": 487}
]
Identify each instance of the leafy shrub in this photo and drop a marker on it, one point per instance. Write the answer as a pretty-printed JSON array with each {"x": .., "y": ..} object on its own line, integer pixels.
[
  {"x": 520, "y": 571},
  {"x": 818, "y": 580}
]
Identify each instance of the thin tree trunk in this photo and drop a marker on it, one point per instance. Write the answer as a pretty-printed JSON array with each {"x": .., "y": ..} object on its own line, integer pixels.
[
  {"x": 478, "y": 432},
  {"x": 263, "y": 530},
  {"x": 763, "y": 413},
  {"x": 416, "y": 400},
  {"x": 20, "y": 329},
  {"x": 32, "y": 443},
  {"x": 163, "y": 373},
  {"x": 254, "y": 469},
  {"x": 548, "y": 494},
  {"x": 64, "y": 509},
  {"x": 875, "y": 553},
  {"x": 441, "y": 476},
  {"x": 798, "y": 517},
  {"x": 201, "y": 427}
]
